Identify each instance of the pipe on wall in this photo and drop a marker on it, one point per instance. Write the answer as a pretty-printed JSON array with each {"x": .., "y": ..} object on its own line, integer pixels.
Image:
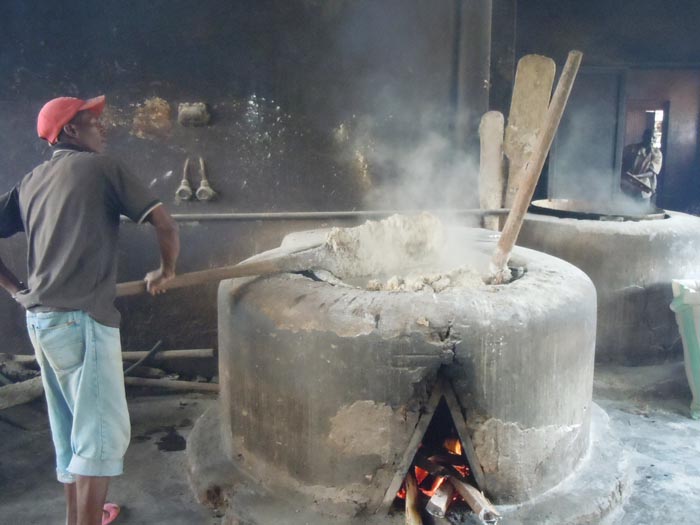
[{"x": 316, "y": 215}]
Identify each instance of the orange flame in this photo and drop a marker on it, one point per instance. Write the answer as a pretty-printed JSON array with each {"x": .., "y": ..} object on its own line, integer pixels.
[
  {"x": 436, "y": 485},
  {"x": 453, "y": 446},
  {"x": 462, "y": 469},
  {"x": 421, "y": 474}
]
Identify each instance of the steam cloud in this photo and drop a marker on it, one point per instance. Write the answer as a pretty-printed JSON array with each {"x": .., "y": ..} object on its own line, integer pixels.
[
  {"x": 417, "y": 168},
  {"x": 579, "y": 172}
]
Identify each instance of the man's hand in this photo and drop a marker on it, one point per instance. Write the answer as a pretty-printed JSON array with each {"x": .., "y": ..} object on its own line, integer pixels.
[
  {"x": 156, "y": 279},
  {"x": 9, "y": 282},
  {"x": 169, "y": 243}
]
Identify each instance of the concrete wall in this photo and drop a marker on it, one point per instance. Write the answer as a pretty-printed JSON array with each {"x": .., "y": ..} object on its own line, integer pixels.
[{"x": 280, "y": 78}]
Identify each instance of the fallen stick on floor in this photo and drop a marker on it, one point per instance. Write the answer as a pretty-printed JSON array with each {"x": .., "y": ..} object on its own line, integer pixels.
[
  {"x": 170, "y": 384},
  {"x": 20, "y": 393}
]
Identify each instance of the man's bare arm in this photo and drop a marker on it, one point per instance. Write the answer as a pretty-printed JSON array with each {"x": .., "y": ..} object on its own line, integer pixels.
[
  {"x": 169, "y": 244},
  {"x": 9, "y": 281}
]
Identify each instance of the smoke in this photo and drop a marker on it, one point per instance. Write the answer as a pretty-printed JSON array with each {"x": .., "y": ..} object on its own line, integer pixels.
[
  {"x": 580, "y": 171},
  {"x": 403, "y": 106},
  {"x": 409, "y": 165}
]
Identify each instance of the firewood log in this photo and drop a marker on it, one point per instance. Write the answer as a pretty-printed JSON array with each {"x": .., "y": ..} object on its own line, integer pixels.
[
  {"x": 481, "y": 506},
  {"x": 412, "y": 513}
]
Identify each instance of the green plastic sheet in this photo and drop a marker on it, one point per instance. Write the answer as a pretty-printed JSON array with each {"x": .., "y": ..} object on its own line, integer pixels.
[{"x": 686, "y": 305}]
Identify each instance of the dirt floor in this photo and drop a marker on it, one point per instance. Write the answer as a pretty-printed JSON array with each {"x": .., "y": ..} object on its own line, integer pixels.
[{"x": 647, "y": 407}]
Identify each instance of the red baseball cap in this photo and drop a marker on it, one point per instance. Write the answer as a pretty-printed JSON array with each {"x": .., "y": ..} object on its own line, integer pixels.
[{"x": 60, "y": 111}]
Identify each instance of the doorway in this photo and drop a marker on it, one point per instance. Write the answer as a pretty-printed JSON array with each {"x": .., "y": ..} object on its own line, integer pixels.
[{"x": 642, "y": 114}]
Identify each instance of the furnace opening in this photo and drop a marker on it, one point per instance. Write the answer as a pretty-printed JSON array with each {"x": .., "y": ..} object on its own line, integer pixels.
[
  {"x": 441, "y": 482},
  {"x": 439, "y": 460}
]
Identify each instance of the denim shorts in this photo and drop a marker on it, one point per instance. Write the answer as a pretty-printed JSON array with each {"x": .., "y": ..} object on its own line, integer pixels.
[{"x": 81, "y": 369}]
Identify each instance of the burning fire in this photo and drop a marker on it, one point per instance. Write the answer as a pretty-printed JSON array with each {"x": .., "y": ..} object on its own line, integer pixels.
[
  {"x": 441, "y": 477},
  {"x": 443, "y": 465},
  {"x": 453, "y": 446}
]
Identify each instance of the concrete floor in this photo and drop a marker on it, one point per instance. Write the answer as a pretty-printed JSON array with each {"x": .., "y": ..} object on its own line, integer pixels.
[
  {"x": 649, "y": 413},
  {"x": 647, "y": 406},
  {"x": 153, "y": 490}
]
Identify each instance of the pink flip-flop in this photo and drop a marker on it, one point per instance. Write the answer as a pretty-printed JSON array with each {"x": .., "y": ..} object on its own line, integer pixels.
[{"x": 110, "y": 511}]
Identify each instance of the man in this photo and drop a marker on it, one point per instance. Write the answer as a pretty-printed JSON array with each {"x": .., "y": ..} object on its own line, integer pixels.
[
  {"x": 641, "y": 162},
  {"x": 70, "y": 207}
]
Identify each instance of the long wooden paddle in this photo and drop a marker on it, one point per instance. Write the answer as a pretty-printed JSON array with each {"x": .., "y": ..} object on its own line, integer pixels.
[
  {"x": 313, "y": 254},
  {"x": 532, "y": 170}
]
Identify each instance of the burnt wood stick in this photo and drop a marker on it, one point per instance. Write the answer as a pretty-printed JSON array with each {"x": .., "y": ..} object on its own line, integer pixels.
[
  {"x": 411, "y": 449},
  {"x": 481, "y": 506},
  {"x": 436, "y": 468},
  {"x": 499, "y": 262},
  {"x": 426, "y": 463},
  {"x": 458, "y": 418},
  {"x": 412, "y": 512}
]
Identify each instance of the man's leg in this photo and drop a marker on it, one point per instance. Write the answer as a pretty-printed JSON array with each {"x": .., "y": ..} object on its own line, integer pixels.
[
  {"x": 91, "y": 496},
  {"x": 57, "y": 387},
  {"x": 100, "y": 434},
  {"x": 71, "y": 504}
]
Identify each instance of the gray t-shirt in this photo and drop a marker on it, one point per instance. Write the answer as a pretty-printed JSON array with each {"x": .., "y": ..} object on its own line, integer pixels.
[{"x": 69, "y": 208}]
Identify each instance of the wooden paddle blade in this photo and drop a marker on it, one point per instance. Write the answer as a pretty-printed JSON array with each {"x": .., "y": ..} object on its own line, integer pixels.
[
  {"x": 532, "y": 91},
  {"x": 492, "y": 177}
]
